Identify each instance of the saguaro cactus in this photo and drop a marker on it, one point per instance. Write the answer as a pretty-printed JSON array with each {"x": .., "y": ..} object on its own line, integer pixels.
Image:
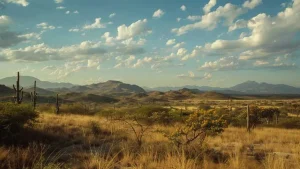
[
  {"x": 18, "y": 98},
  {"x": 248, "y": 119},
  {"x": 34, "y": 96},
  {"x": 57, "y": 105}
]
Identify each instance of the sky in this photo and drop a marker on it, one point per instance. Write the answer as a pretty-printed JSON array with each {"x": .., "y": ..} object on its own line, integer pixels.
[{"x": 152, "y": 43}]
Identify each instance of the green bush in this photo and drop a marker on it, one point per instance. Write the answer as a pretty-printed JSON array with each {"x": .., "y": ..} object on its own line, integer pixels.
[{"x": 13, "y": 117}]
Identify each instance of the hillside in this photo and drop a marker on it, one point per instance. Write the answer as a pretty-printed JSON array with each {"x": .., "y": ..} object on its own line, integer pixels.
[
  {"x": 81, "y": 97},
  {"x": 40, "y": 91},
  {"x": 111, "y": 87},
  {"x": 252, "y": 87},
  {"x": 6, "y": 91}
]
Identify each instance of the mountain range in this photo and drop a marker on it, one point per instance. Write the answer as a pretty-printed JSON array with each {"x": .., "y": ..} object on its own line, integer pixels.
[
  {"x": 118, "y": 88},
  {"x": 27, "y": 81}
]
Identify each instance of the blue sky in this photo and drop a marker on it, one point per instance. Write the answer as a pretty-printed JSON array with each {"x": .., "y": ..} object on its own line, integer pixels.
[{"x": 152, "y": 43}]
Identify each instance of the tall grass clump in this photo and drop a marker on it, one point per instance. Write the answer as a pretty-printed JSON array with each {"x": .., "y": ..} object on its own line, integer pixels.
[{"x": 13, "y": 117}]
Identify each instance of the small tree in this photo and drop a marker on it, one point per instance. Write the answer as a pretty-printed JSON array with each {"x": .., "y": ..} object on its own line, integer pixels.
[{"x": 196, "y": 127}]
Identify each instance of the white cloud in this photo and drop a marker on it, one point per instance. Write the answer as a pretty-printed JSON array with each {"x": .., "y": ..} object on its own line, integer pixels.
[
  {"x": 252, "y": 3},
  {"x": 45, "y": 25},
  {"x": 136, "y": 28},
  {"x": 127, "y": 62},
  {"x": 96, "y": 25},
  {"x": 178, "y": 45},
  {"x": 42, "y": 52},
  {"x": 178, "y": 19},
  {"x": 183, "y": 8},
  {"x": 209, "y": 21},
  {"x": 31, "y": 36},
  {"x": 67, "y": 12},
  {"x": 192, "y": 76},
  {"x": 241, "y": 23},
  {"x": 19, "y": 2},
  {"x": 268, "y": 37},
  {"x": 141, "y": 62},
  {"x": 58, "y": 1},
  {"x": 210, "y": 5},
  {"x": 171, "y": 42},
  {"x": 74, "y": 30},
  {"x": 194, "y": 18},
  {"x": 260, "y": 63},
  {"x": 159, "y": 13},
  {"x": 108, "y": 39},
  {"x": 76, "y": 12},
  {"x": 224, "y": 63},
  {"x": 112, "y": 15},
  {"x": 49, "y": 68},
  {"x": 60, "y": 7},
  {"x": 181, "y": 51}
]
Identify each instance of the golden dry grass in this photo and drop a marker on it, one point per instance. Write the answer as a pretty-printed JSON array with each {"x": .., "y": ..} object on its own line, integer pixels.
[{"x": 96, "y": 142}]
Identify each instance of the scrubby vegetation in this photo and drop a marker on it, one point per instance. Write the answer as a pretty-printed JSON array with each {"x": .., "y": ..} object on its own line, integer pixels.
[
  {"x": 13, "y": 117},
  {"x": 113, "y": 136}
]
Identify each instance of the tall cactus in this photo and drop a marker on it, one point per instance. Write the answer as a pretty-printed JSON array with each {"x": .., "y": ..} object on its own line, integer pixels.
[
  {"x": 248, "y": 119},
  {"x": 34, "y": 96},
  {"x": 57, "y": 105},
  {"x": 18, "y": 98}
]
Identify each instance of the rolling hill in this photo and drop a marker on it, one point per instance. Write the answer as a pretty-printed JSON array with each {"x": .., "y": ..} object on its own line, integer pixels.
[{"x": 27, "y": 81}]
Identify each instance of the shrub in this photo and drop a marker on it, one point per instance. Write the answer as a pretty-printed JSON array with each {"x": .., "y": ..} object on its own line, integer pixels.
[
  {"x": 76, "y": 108},
  {"x": 13, "y": 117},
  {"x": 196, "y": 127}
]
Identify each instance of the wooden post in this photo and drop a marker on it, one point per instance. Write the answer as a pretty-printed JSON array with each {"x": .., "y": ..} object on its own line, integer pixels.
[{"x": 248, "y": 119}]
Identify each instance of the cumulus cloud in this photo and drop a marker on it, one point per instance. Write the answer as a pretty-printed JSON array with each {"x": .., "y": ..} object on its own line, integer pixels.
[
  {"x": 241, "y": 23},
  {"x": 141, "y": 62},
  {"x": 18, "y": 2},
  {"x": 181, "y": 52},
  {"x": 178, "y": 45},
  {"x": 252, "y": 3},
  {"x": 96, "y": 25},
  {"x": 209, "y": 21},
  {"x": 210, "y": 5},
  {"x": 269, "y": 36},
  {"x": 171, "y": 42},
  {"x": 135, "y": 29},
  {"x": 194, "y": 17},
  {"x": 192, "y": 76},
  {"x": 159, "y": 13},
  {"x": 183, "y": 8},
  {"x": 125, "y": 63}
]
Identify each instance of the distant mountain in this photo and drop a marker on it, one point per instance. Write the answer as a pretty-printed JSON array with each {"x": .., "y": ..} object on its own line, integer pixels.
[
  {"x": 252, "y": 87},
  {"x": 109, "y": 88},
  {"x": 27, "y": 81},
  {"x": 246, "y": 88}
]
